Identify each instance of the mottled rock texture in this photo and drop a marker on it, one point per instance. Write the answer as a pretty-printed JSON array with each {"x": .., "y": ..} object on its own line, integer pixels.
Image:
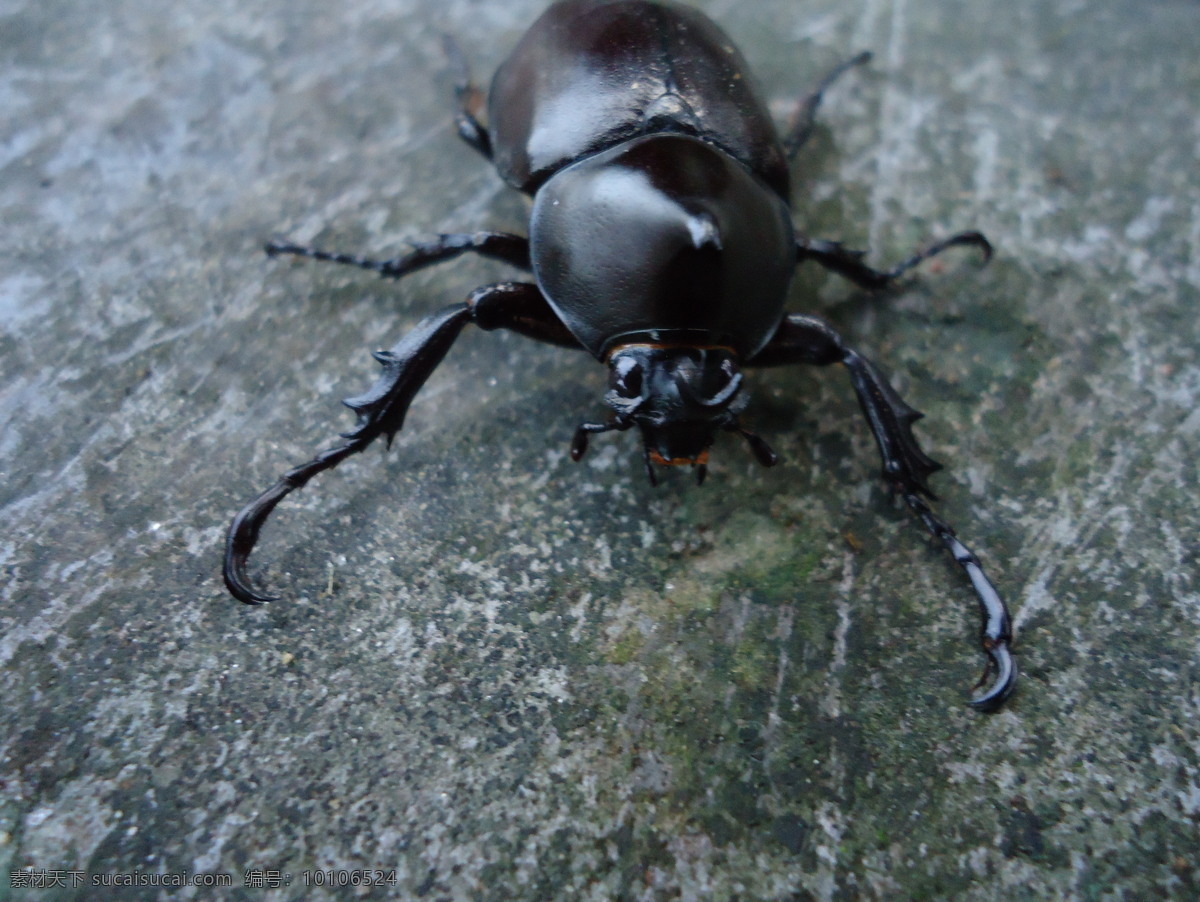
[{"x": 505, "y": 676}]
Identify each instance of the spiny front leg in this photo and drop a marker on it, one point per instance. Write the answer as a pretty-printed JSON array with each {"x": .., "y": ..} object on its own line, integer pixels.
[
  {"x": 381, "y": 410},
  {"x": 806, "y": 339},
  {"x": 905, "y": 467}
]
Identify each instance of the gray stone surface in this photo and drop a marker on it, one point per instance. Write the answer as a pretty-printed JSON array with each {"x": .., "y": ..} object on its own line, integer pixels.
[{"x": 507, "y": 676}]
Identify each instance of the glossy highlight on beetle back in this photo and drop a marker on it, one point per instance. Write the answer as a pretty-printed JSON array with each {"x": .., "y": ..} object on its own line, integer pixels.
[{"x": 590, "y": 74}]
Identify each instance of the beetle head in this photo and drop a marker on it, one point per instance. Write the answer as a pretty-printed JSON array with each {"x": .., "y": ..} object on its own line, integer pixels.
[{"x": 679, "y": 396}]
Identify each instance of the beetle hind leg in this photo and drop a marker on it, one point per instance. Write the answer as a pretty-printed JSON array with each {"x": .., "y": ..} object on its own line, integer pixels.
[
  {"x": 469, "y": 98},
  {"x": 800, "y": 129}
]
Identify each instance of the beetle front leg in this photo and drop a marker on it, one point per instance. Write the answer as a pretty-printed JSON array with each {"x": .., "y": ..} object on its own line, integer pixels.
[
  {"x": 806, "y": 339},
  {"x": 518, "y": 306},
  {"x": 848, "y": 263}
]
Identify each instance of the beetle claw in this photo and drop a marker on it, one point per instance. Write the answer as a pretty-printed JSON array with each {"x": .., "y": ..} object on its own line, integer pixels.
[
  {"x": 1000, "y": 664},
  {"x": 239, "y": 586},
  {"x": 243, "y": 535}
]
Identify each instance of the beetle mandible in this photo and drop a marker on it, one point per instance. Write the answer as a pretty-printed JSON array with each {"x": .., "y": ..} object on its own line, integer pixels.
[{"x": 660, "y": 241}]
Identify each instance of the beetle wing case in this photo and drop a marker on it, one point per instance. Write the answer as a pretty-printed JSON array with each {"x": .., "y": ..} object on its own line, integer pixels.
[
  {"x": 663, "y": 234},
  {"x": 590, "y": 74}
]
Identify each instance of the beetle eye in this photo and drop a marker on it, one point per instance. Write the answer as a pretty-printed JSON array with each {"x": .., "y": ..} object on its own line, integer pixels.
[{"x": 627, "y": 380}]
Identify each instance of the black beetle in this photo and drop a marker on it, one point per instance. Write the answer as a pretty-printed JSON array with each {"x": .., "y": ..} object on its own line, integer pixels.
[{"x": 661, "y": 241}]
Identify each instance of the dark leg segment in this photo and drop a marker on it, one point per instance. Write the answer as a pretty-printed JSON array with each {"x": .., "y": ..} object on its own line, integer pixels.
[
  {"x": 469, "y": 99},
  {"x": 805, "y": 117},
  {"x": 502, "y": 246},
  {"x": 763, "y": 452},
  {"x": 848, "y": 263},
  {"x": 519, "y": 306},
  {"x": 579, "y": 442},
  {"x": 806, "y": 339},
  {"x": 995, "y": 633}
]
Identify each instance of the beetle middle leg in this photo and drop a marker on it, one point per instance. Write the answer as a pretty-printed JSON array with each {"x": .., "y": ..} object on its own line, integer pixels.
[
  {"x": 518, "y": 306},
  {"x": 848, "y": 263},
  {"x": 502, "y": 246},
  {"x": 806, "y": 339}
]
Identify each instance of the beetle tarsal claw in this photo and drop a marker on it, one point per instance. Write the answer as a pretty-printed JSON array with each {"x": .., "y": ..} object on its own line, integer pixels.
[
  {"x": 1002, "y": 670},
  {"x": 243, "y": 535},
  {"x": 238, "y": 584}
]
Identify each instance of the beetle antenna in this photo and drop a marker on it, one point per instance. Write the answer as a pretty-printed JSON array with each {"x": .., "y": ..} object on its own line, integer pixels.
[{"x": 762, "y": 451}]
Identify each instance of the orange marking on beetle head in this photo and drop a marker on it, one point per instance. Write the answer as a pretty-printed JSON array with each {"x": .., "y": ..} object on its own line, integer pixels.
[{"x": 698, "y": 461}]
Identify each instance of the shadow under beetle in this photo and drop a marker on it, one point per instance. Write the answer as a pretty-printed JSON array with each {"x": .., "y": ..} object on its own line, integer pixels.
[{"x": 660, "y": 241}]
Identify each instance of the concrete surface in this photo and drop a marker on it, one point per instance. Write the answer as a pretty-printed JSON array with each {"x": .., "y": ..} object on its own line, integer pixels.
[{"x": 505, "y": 676}]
